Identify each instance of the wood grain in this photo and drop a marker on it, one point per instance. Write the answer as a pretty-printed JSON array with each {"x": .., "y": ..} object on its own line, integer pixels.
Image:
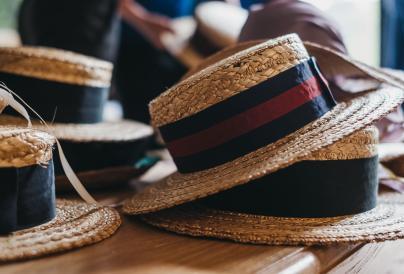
[{"x": 140, "y": 248}]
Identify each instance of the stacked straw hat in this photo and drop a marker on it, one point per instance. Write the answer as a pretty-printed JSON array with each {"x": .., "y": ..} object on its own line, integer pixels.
[
  {"x": 214, "y": 26},
  {"x": 266, "y": 155},
  {"x": 32, "y": 222},
  {"x": 69, "y": 91}
]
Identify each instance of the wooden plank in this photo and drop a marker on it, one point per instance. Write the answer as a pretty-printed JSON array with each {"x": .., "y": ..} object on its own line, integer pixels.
[
  {"x": 378, "y": 258},
  {"x": 140, "y": 248}
]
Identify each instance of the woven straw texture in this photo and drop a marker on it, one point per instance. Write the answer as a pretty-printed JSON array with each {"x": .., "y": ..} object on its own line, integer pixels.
[
  {"x": 226, "y": 78},
  {"x": 21, "y": 147},
  {"x": 385, "y": 222},
  {"x": 214, "y": 58},
  {"x": 120, "y": 131},
  {"x": 55, "y": 65},
  {"x": 77, "y": 224},
  {"x": 211, "y": 85}
]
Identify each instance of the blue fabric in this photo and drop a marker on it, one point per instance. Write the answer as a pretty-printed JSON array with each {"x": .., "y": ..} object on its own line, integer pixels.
[
  {"x": 70, "y": 104},
  {"x": 27, "y": 197},
  {"x": 392, "y": 42},
  {"x": 171, "y": 8},
  {"x": 248, "y": 3}
]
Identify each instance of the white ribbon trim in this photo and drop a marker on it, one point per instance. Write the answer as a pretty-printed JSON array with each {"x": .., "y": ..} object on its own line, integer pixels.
[{"x": 7, "y": 95}]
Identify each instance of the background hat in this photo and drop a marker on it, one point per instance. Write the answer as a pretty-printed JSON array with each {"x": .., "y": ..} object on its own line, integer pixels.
[
  {"x": 222, "y": 159},
  {"x": 89, "y": 27},
  {"x": 69, "y": 91},
  {"x": 215, "y": 26},
  {"x": 32, "y": 224},
  {"x": 328, "y": 198},
  {"x": 392, "y": 156}
]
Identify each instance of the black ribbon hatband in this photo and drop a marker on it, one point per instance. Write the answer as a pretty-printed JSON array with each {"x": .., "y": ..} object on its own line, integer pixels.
[
  {"x": 249, "y": 120},
  {"x": 85, "y": 156},
  {"x": 59, "y": 102},
  {"x": 27, "y": 197},
  {"x": 306, "y": 189}
]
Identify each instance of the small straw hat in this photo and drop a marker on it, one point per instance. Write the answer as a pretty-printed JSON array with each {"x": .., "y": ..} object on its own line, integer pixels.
[
  {"x": 262, "y": 112},
  {"x": 215, "y": 26},
  {"x": 69, "y": 91},
  {"x": 32, "y": 222}
]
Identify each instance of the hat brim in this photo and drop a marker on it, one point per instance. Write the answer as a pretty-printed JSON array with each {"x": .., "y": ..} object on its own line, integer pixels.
[
  {"x": 116, "y": 131},
  {"x": 385, "y": 222},
  {"x": 77, "y": 224},
  {"x": 103, "y": 178},
  {"x": 343, "y": 120}
]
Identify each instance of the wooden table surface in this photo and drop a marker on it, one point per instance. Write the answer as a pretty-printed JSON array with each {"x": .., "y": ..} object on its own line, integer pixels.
[{"x": 140, "y": 248}]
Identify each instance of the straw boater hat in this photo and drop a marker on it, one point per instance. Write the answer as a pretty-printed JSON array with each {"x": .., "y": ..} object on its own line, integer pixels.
[
  {"x": 214, "y": 26},
  {"x": 256, "y": 123},
  {"x": 69, "y": 91},
  {"x": 32, "y": 222}
]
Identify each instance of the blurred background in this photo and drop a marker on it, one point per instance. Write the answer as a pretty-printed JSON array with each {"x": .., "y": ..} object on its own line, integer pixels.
[
  {"x": 8, "y": 22},
  {"x": 171, "y": 37},
  {"x": 359, "y": 22}
]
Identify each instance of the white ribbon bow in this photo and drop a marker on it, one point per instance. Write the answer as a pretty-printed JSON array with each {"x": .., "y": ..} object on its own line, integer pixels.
[{"x": 7, "y": 99}]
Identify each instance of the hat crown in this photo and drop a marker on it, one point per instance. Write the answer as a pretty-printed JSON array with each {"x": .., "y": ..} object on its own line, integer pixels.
[
  {"x": 55, "y": 65},
  {"x": 227, "y": 78},
  {"x": 243, "y": 103},
  {"x": 21, "y": 147}
]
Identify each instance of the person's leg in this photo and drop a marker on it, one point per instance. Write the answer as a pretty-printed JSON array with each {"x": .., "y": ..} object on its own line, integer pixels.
[{"x": 142, "y": 73}]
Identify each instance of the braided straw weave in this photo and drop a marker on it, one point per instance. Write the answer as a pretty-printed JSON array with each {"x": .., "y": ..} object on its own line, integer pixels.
[
  {"x": 227, "y": 78},
  {"x": 21, "y": 147},
  {"x": 77, "y": 224},
  {"x": 120, "y": 131},
  {"x": 232, "y": 75},
  {"x": 385, "y": 222},
  {"x": 55, "y": 65}
]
